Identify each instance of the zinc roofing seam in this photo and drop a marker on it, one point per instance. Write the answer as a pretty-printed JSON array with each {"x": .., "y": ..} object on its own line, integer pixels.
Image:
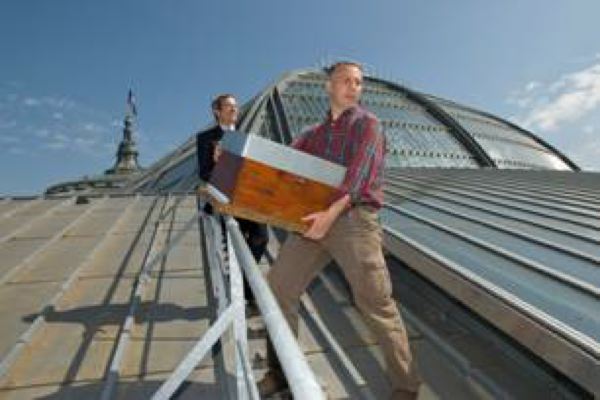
[
  {"x": 519, "y": 196},
  {"x": 521, "y": 188},
  {"x": 511, "y": 231},
  {"x": 554, "y": 183},
  {"x": 503, "y": 214},
  {"x": 467, "y": 192},
  {"x": 57, "y": 236},
  {"x": 499, "y": 250},
  {"x": 36, "y": 325}
]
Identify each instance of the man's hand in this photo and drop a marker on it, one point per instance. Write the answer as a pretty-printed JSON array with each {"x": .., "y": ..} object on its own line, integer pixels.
[
  {"x": 322, "y": 220},
  {"x": 217, "y": 152}
]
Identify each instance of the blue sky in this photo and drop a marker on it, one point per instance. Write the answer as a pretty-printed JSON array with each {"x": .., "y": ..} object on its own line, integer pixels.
[{"x": 66, "y": 67}]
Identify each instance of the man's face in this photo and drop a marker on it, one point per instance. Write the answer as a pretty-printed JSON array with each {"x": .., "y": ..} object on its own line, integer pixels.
[
  {"x": 345, "y": 86},
  {"x": 228, "y": 111}
]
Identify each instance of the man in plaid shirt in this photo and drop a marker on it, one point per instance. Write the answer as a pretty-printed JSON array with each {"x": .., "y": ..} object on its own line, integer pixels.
[{"x": 348, "y": 231}]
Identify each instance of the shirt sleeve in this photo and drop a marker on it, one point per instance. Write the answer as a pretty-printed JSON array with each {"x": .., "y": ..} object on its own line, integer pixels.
[{"x": 364, "y": 170}]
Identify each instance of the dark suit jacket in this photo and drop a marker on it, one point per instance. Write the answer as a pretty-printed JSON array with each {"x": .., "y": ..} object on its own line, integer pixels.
[
  {"x": 255, "y": 233},
  {"x": 205, "y": 148}
]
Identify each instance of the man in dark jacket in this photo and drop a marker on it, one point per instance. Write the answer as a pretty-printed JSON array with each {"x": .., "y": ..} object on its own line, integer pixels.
[{"x": 225, "y": 110}]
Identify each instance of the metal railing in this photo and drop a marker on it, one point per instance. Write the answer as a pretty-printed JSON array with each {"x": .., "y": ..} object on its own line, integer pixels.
[{"x": 302, "y": 381}]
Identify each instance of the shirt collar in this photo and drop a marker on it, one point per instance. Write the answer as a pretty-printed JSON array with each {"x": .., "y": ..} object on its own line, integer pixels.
[
  {"x": 227, "y": 128},
  {"x": 344, "y": 114}
]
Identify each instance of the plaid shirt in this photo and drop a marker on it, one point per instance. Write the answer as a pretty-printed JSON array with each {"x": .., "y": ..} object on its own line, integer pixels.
[{"x": 355, "y": 141}]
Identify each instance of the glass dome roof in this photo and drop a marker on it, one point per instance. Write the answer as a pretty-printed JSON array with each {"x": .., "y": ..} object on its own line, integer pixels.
[{"x": 422, "y": 130}]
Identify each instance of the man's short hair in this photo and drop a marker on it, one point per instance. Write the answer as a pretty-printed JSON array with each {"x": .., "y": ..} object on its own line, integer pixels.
[
  {"x": 333, "y": 67},
  {"x": 217, "y": 102}
]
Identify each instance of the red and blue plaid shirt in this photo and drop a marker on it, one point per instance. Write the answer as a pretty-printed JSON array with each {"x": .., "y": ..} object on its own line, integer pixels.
[{"x": 355, "y": 141}]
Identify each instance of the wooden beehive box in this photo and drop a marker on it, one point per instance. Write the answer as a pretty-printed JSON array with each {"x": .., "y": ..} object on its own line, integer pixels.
[{"x": 264, "y": 181}]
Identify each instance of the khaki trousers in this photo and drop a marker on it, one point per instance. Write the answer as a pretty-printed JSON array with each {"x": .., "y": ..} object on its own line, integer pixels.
[{"x": 354, "y": 242}]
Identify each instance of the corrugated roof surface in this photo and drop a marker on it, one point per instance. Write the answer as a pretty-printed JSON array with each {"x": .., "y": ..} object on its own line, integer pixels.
[
  {"x": 69, "y": 272},
  {"x": 530, "y": 239}
]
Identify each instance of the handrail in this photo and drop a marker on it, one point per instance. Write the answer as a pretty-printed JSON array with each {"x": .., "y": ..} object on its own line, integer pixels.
[
  {"x": 300, "y": 376},
  {"x": 302, "y": 381}
]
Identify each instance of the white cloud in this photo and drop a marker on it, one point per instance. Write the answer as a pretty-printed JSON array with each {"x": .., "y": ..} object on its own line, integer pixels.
[
  {"x": 31, "y": 102},
  {"x": 531, "y": 86},
  {"x": 84, "y": 143},
  {"x": 523, "y": 102},
  {"x": 565, "y": 112},
  {"x": 59, "y": 102},
  {"x": 47, "y": 122},
  {"x": 526, "y": 96},
  {"x": 93, "y": 127},
  {"x": 571, "y": 97},
  {"x": 586, "y": 155},
  {"x": 60, "y": 137},
  {"x": 588, "y": 129}
]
